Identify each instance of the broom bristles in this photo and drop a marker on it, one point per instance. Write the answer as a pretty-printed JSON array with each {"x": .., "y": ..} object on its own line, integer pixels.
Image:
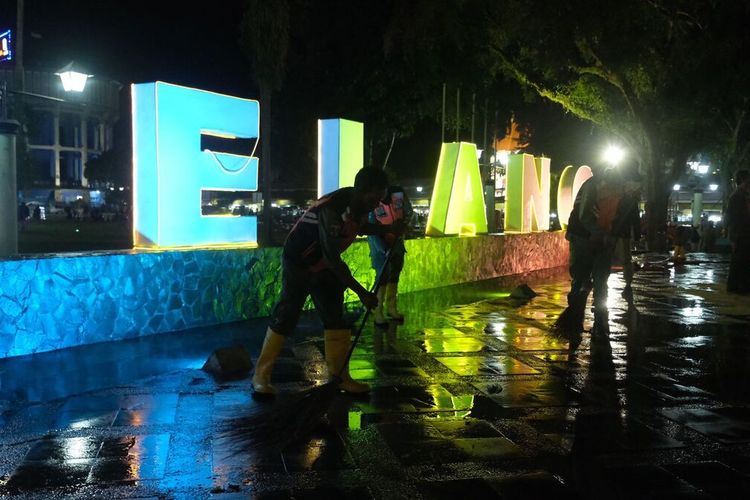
[{"x": 275, "y": 424}]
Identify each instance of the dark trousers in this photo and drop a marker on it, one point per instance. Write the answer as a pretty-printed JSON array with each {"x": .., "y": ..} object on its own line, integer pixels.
[
  {"x": 589, "y": 264},
  {"x": 297, "y": 283},
  {"x": 738, "y": 280}
]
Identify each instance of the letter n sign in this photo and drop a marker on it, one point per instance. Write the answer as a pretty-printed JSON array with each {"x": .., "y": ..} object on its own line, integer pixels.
[{"x": 171, "y": 169}]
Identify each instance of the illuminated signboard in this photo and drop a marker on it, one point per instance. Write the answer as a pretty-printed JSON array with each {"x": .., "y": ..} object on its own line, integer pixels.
[
  {"x": 171, "y": 169},
  {"x": 457, "y": 205},
  {"x": 6, "y": 46},
  {"x": 340, "y": 153}
]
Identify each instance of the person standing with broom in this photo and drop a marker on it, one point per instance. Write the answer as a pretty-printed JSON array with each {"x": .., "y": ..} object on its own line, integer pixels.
[{"x": 312, "y": 265}]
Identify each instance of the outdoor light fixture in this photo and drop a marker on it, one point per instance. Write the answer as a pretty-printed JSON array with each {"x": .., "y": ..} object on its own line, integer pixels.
[
  {"x": 713, "y": 187},
  {"x": 702, "y": 169},
  {"x": 614, "y": 155},
  {"x": 419, "y": 189},
  {"x": 676, "y": 187},
  {"x": 73, "y": 79}
]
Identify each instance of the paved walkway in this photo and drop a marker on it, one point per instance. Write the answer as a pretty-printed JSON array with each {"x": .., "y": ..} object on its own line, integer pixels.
[{"x": 472, "y": 397}]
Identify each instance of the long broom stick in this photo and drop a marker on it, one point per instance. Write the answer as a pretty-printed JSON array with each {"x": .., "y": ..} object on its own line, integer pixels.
[{"x": 272, "y": 427}]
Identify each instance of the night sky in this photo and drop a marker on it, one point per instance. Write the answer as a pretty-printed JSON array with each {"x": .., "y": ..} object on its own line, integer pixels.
[{"x": 139, "y": 41}]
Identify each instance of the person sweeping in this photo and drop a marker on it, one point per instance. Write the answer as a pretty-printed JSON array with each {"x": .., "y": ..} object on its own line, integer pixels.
[{"x": 311, "y": 265}]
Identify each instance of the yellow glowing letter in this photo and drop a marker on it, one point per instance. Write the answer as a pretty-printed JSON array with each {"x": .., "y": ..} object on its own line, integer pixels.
[{"x": 457, "y": 205}]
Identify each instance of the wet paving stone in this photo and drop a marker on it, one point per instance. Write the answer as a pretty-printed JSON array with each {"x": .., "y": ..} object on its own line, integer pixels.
[
  {"x": 713, "y": 478},
  {"x": 646, "y": 482},
  {"x": 33, "y": 476},
  {"x": 725, "y": 425},
  {"x": 486, "y": 365},
  {"x": 472, "y": 397},
  {"x": 547, "y": 391},
  {"x": 319, "y": 493},
  {"x": 460, "y": 488}
]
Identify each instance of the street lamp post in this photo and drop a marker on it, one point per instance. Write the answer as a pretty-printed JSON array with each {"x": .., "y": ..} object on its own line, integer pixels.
[{"x": 9, "y": 130}]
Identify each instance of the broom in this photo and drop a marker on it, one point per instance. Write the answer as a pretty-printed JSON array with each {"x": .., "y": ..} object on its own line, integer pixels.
[{"x": 293, "y": 416}]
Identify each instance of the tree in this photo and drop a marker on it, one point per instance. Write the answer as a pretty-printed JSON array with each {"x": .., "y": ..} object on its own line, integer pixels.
[
  {"x": 110, "y": 168},
  {"x": 264, "y": 37},
  {"x": 624, "y": 66}
]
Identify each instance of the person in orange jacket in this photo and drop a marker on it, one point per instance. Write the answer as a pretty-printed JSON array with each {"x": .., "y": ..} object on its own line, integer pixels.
[{"x": 394, "y": 209}]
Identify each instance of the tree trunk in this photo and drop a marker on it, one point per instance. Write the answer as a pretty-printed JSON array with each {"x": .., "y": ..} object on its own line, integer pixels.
[
  {"x": 657, "y": 199},
  {"x": 266, "y": 237}
]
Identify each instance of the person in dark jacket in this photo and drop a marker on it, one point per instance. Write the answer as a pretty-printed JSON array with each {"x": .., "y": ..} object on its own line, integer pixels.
[
  {"x": 738, "y": 229},
  {"x": 591, "y": 242},
  {"x": 312, "y": 265}
]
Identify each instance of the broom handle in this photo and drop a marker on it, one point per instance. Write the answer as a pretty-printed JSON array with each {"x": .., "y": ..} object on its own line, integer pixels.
[{"x": 375, "y": 288}]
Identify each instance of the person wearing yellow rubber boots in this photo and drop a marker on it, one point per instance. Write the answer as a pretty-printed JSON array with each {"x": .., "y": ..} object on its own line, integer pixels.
[
  {"x": 393, "y": 208},
  {"x": 312, "y": 266}
]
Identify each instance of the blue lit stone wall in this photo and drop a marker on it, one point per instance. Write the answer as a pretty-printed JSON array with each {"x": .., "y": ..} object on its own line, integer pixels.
[{"x": 55, "y": 302}]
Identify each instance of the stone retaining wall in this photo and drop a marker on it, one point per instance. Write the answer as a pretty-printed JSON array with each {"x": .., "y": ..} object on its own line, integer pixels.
[{"x": 53, "y": 302}]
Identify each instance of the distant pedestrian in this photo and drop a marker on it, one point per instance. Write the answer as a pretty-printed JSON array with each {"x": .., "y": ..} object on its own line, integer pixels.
[
  {"x": 738, "y": 229},
  {"x": 23, "y": 216}
]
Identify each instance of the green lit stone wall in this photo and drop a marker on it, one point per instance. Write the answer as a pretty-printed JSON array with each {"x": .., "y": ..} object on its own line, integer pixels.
[{"x": 50, "y": 303}]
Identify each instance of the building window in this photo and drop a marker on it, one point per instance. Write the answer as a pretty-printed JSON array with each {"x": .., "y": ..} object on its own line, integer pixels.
[
  {"x": 70, "y": 130},
  {"x": 40, "y": 128},
  {"x": 42, "y": 167},
  {"x": 70, "y": 169},
  {"x": 93, "y": 134}
]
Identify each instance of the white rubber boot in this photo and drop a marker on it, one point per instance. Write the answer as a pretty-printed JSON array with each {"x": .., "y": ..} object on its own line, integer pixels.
[
  {"x": 377, "y": 313},
  {"x": 391, "y": 302}
]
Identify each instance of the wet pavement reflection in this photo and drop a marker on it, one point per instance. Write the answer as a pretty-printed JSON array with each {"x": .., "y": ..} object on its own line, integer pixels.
[{"x": 472, "y": 395}]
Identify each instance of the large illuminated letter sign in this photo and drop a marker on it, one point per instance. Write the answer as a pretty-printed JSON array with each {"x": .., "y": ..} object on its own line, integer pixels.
[
  {"x": 340, "y": 153},
  {"x": 457, "y": 205},
  {"x": 527, "y": 195},
  {"x": 171, "y": 170},
  {"x": 570, "y": 182}
]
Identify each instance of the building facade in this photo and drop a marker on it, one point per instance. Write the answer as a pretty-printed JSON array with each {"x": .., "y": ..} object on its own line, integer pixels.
[{"x": 62, "y": 130}]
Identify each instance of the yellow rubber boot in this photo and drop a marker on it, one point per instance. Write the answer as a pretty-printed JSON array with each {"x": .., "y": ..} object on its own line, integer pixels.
[
  {"x": 377, "y": 313},
  {"x": 391, "y": 302},
  {"x": 272, "y": 346},
  {"x": 337, "y": 347}
]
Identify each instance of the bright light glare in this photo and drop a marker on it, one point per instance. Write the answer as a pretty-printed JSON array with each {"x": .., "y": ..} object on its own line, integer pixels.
[
  {"x": 73, "y": 81},
  {"x": 713, "y": 187},
  {"x": 702, "y": 169},
  {"x": 503, "y": 157},
  {"x": 714, "y": 218},
  {"x": 676, "y": 187},
  {"x": 614, "y": 155},
  {"x": 419, "y": 189}
]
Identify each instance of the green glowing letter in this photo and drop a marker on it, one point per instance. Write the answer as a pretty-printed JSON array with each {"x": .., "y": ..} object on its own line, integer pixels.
[
  {"x": 570, "y": 183},
  {"x": 340, "y": 153},
  {"x": 457, "y": 205},
  {"x": 527, "y": 194}
]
